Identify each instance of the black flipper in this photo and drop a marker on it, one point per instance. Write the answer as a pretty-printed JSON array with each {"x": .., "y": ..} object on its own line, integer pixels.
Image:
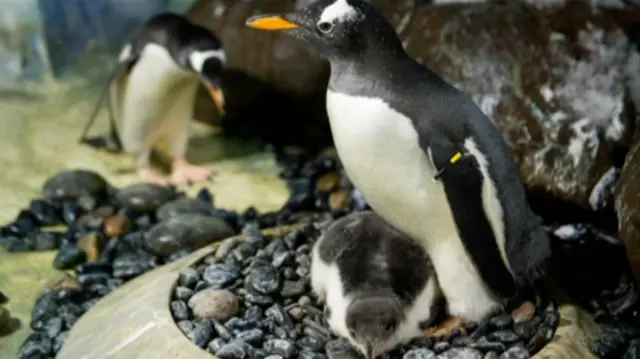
[{"x": 110, "y": 141}]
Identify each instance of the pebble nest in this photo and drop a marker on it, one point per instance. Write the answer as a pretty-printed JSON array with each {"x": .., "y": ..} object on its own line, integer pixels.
[
  {"x": 106, "y": 236},
  {"x": 251, "y": 299}
]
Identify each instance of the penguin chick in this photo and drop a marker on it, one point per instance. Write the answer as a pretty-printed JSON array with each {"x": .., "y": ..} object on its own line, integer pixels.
[
  {"x": 390, "y": 114},
  {"x": 378, "y": 284},
  {"x": 152, "y": 90}
]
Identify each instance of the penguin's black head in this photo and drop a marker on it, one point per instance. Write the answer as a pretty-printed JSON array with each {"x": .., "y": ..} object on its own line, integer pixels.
[
  {"x": 337, "y": 29},
  {"x": 372, "y": 323},
  {"x": 205, "y": 56}
]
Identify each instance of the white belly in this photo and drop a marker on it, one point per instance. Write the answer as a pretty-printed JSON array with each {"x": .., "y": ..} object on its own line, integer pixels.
[
  {"x": 380, "y": 152},
  {"x": 154, "y": 87}
]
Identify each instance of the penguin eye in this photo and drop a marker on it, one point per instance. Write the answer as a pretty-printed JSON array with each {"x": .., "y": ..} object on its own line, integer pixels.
[{"x": 325, "y": 27}]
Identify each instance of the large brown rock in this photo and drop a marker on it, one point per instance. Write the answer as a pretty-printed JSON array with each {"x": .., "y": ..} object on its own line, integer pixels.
[
  {"x": 627, "y": 205},
  {"x": 557, "y": 81}
]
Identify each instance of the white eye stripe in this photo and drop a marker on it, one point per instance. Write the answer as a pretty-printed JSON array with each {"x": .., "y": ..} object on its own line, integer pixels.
[
  {"x": 197, "y": 58},
  {"x": 125, "y": 53},
  {"x": 339, "y": 10}
]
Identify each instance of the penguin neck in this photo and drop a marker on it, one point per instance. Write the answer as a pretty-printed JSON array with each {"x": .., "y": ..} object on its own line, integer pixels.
[{"x": 374, "y": 69}]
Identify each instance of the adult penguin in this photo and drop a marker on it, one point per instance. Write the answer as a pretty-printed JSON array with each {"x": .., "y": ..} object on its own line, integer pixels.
[{"x": 425, "y": 157}]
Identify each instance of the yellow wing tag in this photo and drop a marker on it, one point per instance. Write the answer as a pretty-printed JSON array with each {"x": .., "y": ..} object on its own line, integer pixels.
[{"x": 455, "y": 158}]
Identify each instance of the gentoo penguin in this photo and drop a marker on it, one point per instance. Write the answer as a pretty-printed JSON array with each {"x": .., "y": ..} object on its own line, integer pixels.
[
  {"x": 377, "y": 283},
  {"x": 152, "y": 90},
  {"x": 395, "y": 125}
]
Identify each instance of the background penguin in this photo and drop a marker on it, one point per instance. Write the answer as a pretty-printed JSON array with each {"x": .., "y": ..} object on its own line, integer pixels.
[
  {"x": 378, "y": 284},
  {"x": 152, "y": 90},
  {"x": 396, "y": 124}
]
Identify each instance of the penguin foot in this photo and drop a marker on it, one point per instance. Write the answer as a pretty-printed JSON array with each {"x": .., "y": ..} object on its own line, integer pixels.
[
  {"x": 150, "y": 175},
  {"x": 525, "y": 311},
  {"x": 446, "y": 328},
  {"x": 184, "y": 173}
]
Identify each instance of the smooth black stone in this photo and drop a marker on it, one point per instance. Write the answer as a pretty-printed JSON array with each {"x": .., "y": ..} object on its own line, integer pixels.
[
  {"x": 70, "y": 313},
  {"x": 501, "y": 321},
  {"x": 279, "y": 315},
  {"x": 189, "y": 277},
  {"x": 45, "y": 308},
  {"x": 15, "y": 244},
  {"x": 183, "y": 206},
  {"x": 71, "y": 184},
  {"x": 90, "y": 279},
  {"x": 53, "y": 327},
  {"x": 265, "y": 279},
  {"x": 304, "y": 355},
  {"x": 251, "y": 336},
  {"x": 222, "y": 331},
  {"x": 282, "y": 258},
  {"x": 551, "y": 319},
  {"x": 58, "y": 342},
  {"x": 524, "y": 329},
  {"x": 253, "y": 313},
  {"x": 623, "y": 304},
  {"x": 540, "y": 338},
  {"x": 236, "y": 349},
  {"x": 292, "y": 288},
  {"x": 419, "y": 354},
  {"x": 440, "y": 347},
  {"x": 257, "y": 299},
  {"x": 505, "y": 336},
  {"x": 186, "y": 326},
  {"x": 202, "y": 333},
  {"x": 280, "y": 347},
  {"x": 485, "y": 345},
  {"x": 45, "y": 213},
  {"x": 460, "y": 353},
  {"x": 339, "y": 349},
  {"x": 3, "y": 298},
  {"x": 244, "y": 250},
  {"x": 68, "y": 256},
  {"x": 94, "y": 268},
  {"x": 230, "y": 217},
  {"x": 179, "y": 309},
  {"x": 221, "y": 275},
  {"x": 302, "y": 201},
  {"x": 183, "y": 293},
  {"x": 205, "y": 196},
  {"x": 313, "y": 344},
  {"x": 110, "y": 250},
  {"x": 70, "y": 212},
  {"x": 215, "y": 345},
  {"x": 37, "y": 343},
  {"x": 144, "y": 197},
  {"x": 516, "y": 352},
  {"x": 45, "y": 241},
  {"x": 130, "y": 265},
  {"x": 237, "y": 324}
]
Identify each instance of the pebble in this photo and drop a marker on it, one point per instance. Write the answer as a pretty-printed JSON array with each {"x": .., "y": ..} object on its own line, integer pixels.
[
  {"x": 5, "y": 317},
  {"x": 145, "y": 197},
  {"x": 116, "y": 226},
  {"x": 185, "y": 231},
  {"x": 44, "y": 241},
  {"x": 184, "y": 206},
  {"x": 45, "y": 213},
  {"x": 92, "y": 245},
  {"x": 69, "y": 256},
  {"x": 419, "y": 354},
  {"x": 265, "y": 279},
  {"x": 517, "y": 352},
  {"x": 214, "y": 304},
  {"x": 460, "y": 353},
  {"x": 71, "y": 184}
]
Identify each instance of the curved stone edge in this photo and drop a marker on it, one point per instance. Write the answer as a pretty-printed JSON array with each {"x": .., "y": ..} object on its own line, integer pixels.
[{"x": 135, "y": 320}]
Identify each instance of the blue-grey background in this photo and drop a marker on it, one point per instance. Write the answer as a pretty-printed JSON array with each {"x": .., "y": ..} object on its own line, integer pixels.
[{"x": 47, "y": 38}]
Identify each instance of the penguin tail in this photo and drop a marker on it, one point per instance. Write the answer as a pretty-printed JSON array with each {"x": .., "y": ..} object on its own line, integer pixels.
[{"x": 532, "y": 262}]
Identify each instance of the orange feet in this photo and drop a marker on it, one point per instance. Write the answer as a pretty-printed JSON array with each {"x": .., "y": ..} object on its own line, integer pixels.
[
  {"x": 447, "y": 327},
  {"x": 525, "y": 311},
  {"x": 184, "y": 173}
]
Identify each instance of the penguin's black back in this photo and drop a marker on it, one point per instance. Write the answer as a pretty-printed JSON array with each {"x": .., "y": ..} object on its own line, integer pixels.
[{"x": 372, "y": 255}]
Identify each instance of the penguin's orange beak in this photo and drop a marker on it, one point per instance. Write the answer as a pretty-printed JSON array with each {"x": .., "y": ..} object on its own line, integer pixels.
[
  {"x": 270, "y": 23},
  {"x": 218, "y": 98}
]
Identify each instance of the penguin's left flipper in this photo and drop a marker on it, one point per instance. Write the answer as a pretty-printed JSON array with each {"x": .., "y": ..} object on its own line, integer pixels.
[
  {"x": 110, "y": 141},
  {"x": 463, "y": 185}
]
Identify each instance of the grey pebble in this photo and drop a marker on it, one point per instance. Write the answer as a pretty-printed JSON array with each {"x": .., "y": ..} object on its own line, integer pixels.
[
  {"x": 516, "y": 352},
  {"x": 202, "y": 334},
  {"x": 460, "y": 353},
  {"x": 183, "y": 293},
  {"x": 419, "y": 354},
  {"x": 265, "y": 279},
  {"x": 251, "y": 336},
  {"x": 225, "y": 247},
  {"x": 189, "y": 277},
  {"x": 236, "y": 349},
  {"x": 280, "y": 347},
  {"x": 221, "y": 275},
  {"x": 185, "y": 231},
  {"x": 311, "y": 355},
  {"x": 215, "y": 345},
  {"x": 183, "y": 205},
  {"x": 505, "y": 336},
  {"x": 292, "y": 288},
  {"x": 179, "y": 309},
  {"x": 185, "y": 326}
]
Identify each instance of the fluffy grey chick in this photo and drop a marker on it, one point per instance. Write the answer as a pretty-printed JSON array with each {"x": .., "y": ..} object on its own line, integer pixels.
[{"x": 378, "y": 284}]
